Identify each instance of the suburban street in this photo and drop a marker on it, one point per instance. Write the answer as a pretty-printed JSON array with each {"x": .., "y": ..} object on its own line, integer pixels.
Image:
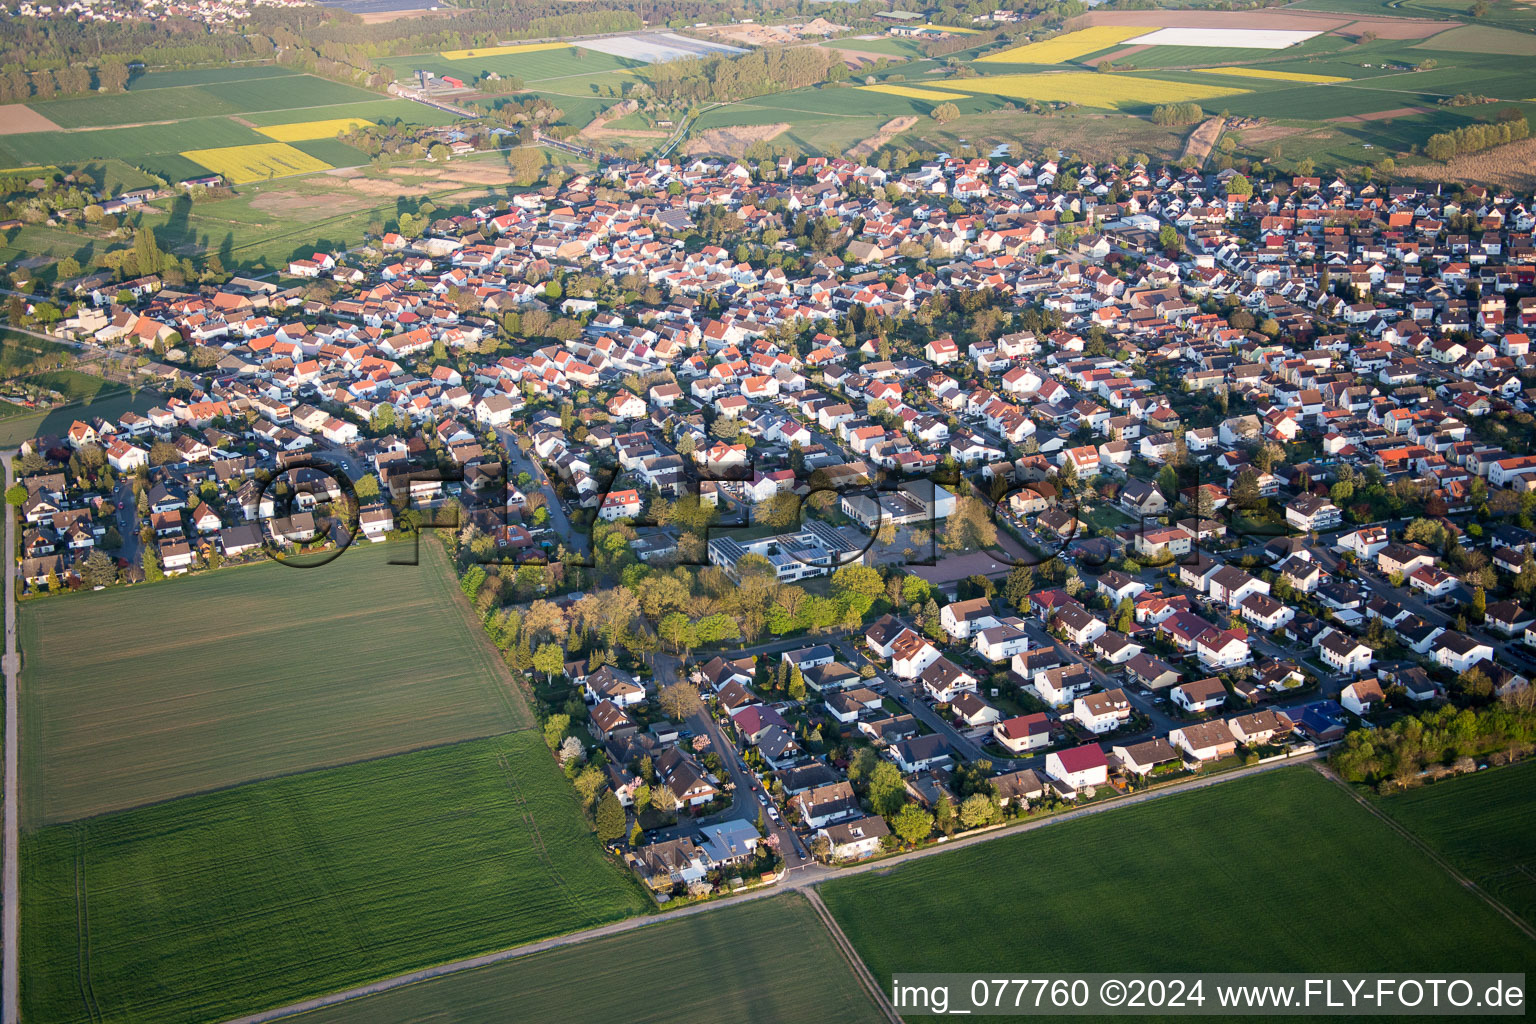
[
  {"x": 127, "y": 521},
  {"x": 517, "y": 462},
  {"x": 748, "y": 797}
]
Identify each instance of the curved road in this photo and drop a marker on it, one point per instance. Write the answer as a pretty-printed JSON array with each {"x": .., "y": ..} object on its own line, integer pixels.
[{"x": 807, "y": 877}]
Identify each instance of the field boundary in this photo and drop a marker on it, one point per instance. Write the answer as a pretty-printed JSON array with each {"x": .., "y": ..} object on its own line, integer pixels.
[
  {"x": 806, "y": 879},
  {"x": 855, "y": 962},
  {"x": 1434, "y": 855}
]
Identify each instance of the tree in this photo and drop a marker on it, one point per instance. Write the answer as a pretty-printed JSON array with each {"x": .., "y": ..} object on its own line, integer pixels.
[
  {"x": 887, "y": 791},
  {"x": 549, "y": 660},
  {"x": 611, "y": 819},
  {"x": 663, "y": 799},
  {"x": 969, "y": 526},
  {"x": 1240, "y": 186},
  {"x": 16, "y": 495},
  {"x": 554, "y": 730},
  {"x": 912, "y": 824},
  {"x": 796, "y": 688},
  {"x": 945, "y": 113},
  {"x": 679, "y": 700},
  {"x": 976, "y": 810},
  {"x": 571, "y": 750},
  {"x": 98, "y": 569},
  {"x": 636, "y": 836}
]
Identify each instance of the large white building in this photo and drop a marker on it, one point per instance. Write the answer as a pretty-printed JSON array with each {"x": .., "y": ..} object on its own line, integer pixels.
[{"x": 816, "y": 550}]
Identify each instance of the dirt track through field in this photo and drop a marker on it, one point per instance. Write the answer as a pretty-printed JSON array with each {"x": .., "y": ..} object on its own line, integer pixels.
[
  {"x": 887, "y": 132},
  {"x": 1382, "y": 115},
  {"x": 1197, "y": 148},
  {"x": 1118, "y": 55}
]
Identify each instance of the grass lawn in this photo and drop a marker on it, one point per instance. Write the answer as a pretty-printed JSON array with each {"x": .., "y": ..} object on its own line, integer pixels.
[
  {"x": 141, "y": 694},
  {"x": 204, "y": 908},
  {"x": 769, "y": 961},
  {"x": 1484, "y": 825},
  {"x": 1278, "y": 872}
]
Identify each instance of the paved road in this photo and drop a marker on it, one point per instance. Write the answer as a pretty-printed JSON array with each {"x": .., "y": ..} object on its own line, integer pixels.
[
  {"x": 11, "y": 976},
  {"x": 748, "y": 797},
  {"x": 558, "y": 520},
  {"x": 804, "y": 878},
  {"x": 127, "y": 521}
]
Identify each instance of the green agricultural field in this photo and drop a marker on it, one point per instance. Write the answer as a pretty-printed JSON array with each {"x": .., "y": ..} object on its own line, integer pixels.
[
  {"x": 206, "y": 76},
  {"x": 234, "y": 94},
  {"x": 771, "y": 961},
  {"x": 332, "y": 151},
  {"x": 1484, "y": 824},
  {"x": 1278, "y": 872},
  {"x": 217, "y": 905},
  {"x": 155, "y": 145},
  {"x": 142, "y": 694},
  {"x": 17, "y": 351},
  {"x": 1483, "y": 39},
  {"x": 888, "y": 46},
  {"x": 372, "y": 110}
]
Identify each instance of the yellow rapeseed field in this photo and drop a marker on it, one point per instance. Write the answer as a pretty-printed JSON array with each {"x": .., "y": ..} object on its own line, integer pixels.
[
  {"x": 953, "y": 28},
  {"x": 257, "y": 162},
  {"x": 1087, "y": 88},
  {"x": 304, "y": 131},
  {"x": 1278, "y": 76},
  {"x": 911, "y": 93},
  {"x": 497, "y": 51},
  {"x": 1067, "y": 47}
]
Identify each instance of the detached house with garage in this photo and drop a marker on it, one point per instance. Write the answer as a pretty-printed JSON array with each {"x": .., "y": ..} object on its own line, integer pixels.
[
  {"x": 1102, "y": 712},
  {"x": 1080, "y": 767},
  {"x": 961, "y": 619},
  {"x": 1025, "y": 733},
  {"x": 1200, "y": 696},
  {"x": 1343, "y": 653},
  {"x": 911, "y": 653},
  {"x": 1001, "y": 642},
  {"x": 1204, "y": 741}
]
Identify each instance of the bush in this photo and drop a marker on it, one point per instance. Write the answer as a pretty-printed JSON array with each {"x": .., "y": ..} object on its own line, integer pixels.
[{"x": 1177, "y": 113}]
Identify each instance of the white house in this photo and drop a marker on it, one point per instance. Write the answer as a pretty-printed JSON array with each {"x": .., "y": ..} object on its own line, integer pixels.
[
  {"x": 1459, "y": 652},
  {"x": 1024, "y": 733},
  {"x": 853, "y": 840},
  {"x": 944, "y": 680},
  {"x": 1200, "y": 696},
  {"x": 1222, "y": 648},
  {"x": 1362, "y": 696},
  {"x": 1102, "y": 712},
  {"x": 911, "y": 653},
  {"x": 1001, "y": 642},
  {"x": 1343, "y": 653},
  {"x": 1078, "y": 767},
  {"x": 963, "y": 618}
]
